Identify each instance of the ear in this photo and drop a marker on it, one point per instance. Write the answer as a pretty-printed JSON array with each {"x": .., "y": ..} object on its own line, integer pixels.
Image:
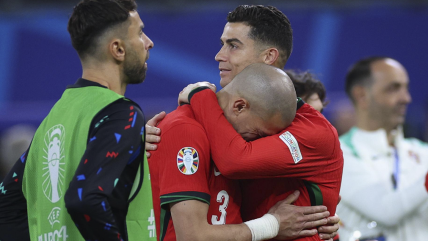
[
  {"x": 117, "y": 49},
  {"x": 270, "y": 56},
  {"x": 240, "y": 105},
  {"x": 360, "y": 95}
]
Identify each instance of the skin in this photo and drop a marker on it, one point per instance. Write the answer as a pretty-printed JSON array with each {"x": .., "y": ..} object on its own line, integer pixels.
[
  {"x": 244, "y": 111},
  {"x": 314, "y": 101},
  {"x": 190, "y": 221},
  {"x": 383, "y": 104},
  {"x": 122, "y": 55},
  {"x": 239, "y": 50}
]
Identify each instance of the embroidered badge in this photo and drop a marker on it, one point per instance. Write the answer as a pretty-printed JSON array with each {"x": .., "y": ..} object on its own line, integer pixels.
[
  {"x": 188, "y": 160},
  {"x": 292, "y": 144}
]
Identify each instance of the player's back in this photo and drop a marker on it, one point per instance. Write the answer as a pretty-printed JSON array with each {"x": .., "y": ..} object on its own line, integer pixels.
[
  {"x": 170, "y": 183},
  {"x": 225, "y": 204},
  {"x": 317, "y": 174}
]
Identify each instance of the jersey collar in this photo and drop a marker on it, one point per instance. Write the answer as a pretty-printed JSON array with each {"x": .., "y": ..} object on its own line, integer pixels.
[
  {"x": 300, "y": 102},
  {"x": 84, "y": 83}
]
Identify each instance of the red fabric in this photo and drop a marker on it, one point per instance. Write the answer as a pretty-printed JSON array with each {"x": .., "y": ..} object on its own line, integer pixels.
[
  {"x": 426, "y": 182},
  {"x": 270, "y": 157},
  {"x": 225, "y": 199},
  {"x": 179, "y": 130}
]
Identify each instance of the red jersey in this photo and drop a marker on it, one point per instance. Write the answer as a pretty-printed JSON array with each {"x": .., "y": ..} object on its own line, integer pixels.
[
  {"x": 181, "y": 169},
  {"x": 306, "y": 156},
  {"x": 225, "y": 202},
  {"x": 426, "y": 182}
]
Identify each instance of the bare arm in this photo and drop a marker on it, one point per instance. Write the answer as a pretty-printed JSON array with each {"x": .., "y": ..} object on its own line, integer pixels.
[{"x": 190, "y": 223}]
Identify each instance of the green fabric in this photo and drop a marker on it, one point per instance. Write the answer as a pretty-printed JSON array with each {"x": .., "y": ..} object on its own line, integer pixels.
[
  {"x": 315, "y": 193},
  {"x": 140, "y": 219},
  {"x": 53, "y": 158},
  {"x": 347, "y": 140}
]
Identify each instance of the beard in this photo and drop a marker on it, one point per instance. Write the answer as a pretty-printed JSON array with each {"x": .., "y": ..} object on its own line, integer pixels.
[{"x": 133, "y": 69}]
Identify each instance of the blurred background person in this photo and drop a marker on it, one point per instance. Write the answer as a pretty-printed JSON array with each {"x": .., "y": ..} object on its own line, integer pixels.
[
  {"x": 383, "y": 192},
  {"x": 309, "y": 88},
  {"x": 13, "y": 142}
]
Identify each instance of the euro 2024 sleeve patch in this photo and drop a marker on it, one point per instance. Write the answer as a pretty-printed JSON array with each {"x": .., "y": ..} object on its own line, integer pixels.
[
  {"x": 292, "y": 144},
  {"x": 188, "y": 160}
]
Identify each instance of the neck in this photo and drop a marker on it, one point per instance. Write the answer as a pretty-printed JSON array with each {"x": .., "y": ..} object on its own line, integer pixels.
[
  {"x": 365, "y": 122},
  {"x": 106, "y": 74},
  {"x": 223, "y": 99}
]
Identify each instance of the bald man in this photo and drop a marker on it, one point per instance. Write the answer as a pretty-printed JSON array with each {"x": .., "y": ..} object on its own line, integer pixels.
[
  {"x": 383, "y": 192},
  {"x": 283, "y": 162},
  {"x": 189, "y": 192}
]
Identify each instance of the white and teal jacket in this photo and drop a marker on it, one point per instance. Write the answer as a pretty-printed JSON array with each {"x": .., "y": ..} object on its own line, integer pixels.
[{"x": 383, "y": 191}]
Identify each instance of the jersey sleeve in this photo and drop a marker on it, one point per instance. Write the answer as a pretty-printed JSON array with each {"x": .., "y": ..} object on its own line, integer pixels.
[
  {"x": 13, "y": 205},
  {"x": 296, "y": 152},
  {"x": 92, "y": 194},
  {"x": 183, "y": 160}
]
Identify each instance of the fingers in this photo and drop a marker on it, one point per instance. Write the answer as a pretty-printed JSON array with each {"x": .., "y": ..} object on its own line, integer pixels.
[
  {"x": 152, "y": 138},
  {"x": 317, "y": 216},
  {"x": 308, "y": 232},
  {"x": 314, "y": 224},
  {"x": 148, "y": 154},
  {"x": 155, "y": 120},
  {"x": 312, "y": 209},
  {"x": 325, "y": 236},
  {"x": 333, "y": 220},
  {"x": 151, "y": 147},
  {"x": 292, "y": 197},
  {"x": 151, "y": 130},
  {"x": 329, "y": 229}
]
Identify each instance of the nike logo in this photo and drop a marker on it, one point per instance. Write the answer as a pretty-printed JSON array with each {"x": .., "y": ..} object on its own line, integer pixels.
[{"x": 216, "y": 173}]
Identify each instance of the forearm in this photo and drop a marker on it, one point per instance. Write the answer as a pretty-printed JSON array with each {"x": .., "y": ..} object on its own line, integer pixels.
[
  {"x": 93, "y": 217},
  {"x": 387, "y": 207},
  {"x": 13, "y": 205},
  {"x": 229, "y": 232},
  {"x": 190, "y": 223},
  {"x": 235, "y": 158}
]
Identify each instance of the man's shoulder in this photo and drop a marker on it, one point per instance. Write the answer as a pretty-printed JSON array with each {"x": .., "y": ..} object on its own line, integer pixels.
[
  {"x": 182, "y": 117},
  {"x": 309, "y": 120}
]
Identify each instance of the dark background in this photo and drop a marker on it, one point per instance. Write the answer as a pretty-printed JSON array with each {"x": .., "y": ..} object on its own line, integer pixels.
[{"x": 37, "y": 60}]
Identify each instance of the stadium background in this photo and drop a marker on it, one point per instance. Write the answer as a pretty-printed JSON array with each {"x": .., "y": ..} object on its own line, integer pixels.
[{"x": 37, "y": 60}]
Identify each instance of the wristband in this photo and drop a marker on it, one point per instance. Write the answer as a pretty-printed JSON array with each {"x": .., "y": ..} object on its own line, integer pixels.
[{"x": 263, "y": 228}]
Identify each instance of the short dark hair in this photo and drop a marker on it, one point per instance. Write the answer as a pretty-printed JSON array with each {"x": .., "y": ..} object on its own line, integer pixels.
[
  {"x": 268, "y": 26},
  {"x": 91, "y": 18},
  {"x": 306, "y": 84},
  {"x": 360, "y": 73}
]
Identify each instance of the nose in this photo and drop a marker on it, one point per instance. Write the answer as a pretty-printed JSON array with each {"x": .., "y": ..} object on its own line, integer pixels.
[
  {"x": 149, "y": 43},
  {"x": 220, "y": 56},
  {"x": 407, "y": 98}
]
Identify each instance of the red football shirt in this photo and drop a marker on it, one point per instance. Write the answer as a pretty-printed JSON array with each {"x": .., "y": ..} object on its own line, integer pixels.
[
  {"x": 181, "y": 169},
  {"x": 225, "y": 202},
  {"x": 426, "y": 182},
  {"x": 305, "y": 156}
]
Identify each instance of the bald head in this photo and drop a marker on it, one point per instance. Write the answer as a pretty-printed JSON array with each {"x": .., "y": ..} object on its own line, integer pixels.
[{"x": 268, "y": 90}]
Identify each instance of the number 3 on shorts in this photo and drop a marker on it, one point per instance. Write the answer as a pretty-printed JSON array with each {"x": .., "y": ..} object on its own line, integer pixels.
[{"x": 222, "y": 196}]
